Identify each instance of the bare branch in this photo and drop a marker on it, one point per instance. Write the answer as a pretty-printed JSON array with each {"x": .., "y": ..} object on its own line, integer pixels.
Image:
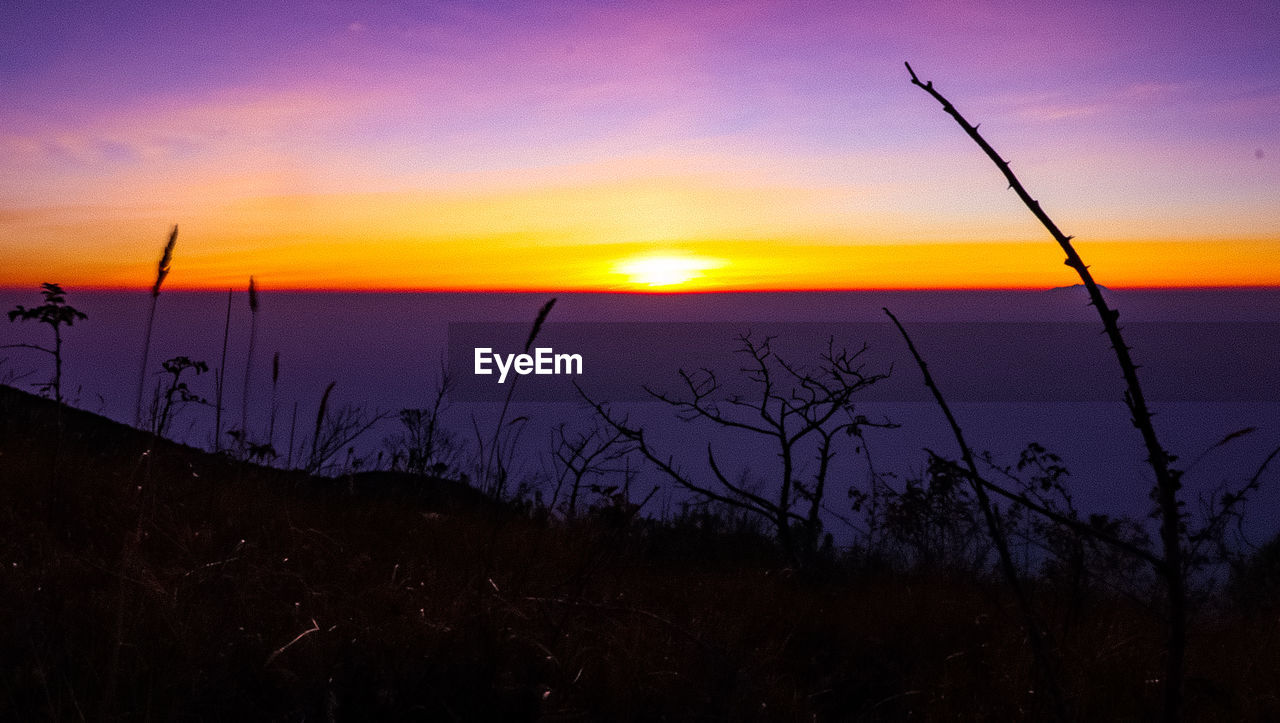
[
  {"x": 28, "y": 346},
  {"x": 1168, "y": 480},
  {"x": 667, "y": 465},
  {"x": 1035, "y": 632},
  {"x": 762, "y": 503},
  {"x": 1230, "y": 502}
]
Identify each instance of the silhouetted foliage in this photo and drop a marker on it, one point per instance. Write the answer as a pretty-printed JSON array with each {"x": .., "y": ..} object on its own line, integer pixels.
[
  {"x": 1255, "y": 581},
  {"x": 425, "y": 445},
  {"x": 933, "y": 522},
  {"x": 178, "y": 394},
  {"x": 254, "y": 593},
  {"x": 55, "y": 313},
  {"x": 336, "y": 429}
]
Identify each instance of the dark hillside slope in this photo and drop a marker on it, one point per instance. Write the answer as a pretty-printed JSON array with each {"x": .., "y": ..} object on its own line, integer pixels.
[
  {"x": 173, "y": 584},
  {"x": 90, "y": 446}
]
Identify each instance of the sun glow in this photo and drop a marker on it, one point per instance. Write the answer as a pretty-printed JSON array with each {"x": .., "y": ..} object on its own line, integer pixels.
[{"x": 665, "y": 270}]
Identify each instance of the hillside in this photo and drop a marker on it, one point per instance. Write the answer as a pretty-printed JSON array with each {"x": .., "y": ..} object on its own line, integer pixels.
[{"x": 160, "y": 582}]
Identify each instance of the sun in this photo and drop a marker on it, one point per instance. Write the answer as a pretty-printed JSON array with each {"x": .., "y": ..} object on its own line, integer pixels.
[{"x": 664, "y": 270}]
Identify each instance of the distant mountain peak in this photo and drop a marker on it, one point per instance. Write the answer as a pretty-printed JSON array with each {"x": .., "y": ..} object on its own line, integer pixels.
[{"x": 1073, "y": 287}]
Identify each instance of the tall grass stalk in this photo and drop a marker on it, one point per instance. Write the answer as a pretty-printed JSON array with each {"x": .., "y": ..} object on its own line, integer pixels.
[
  {"x": 293, "y": 426},
  {"x": 315, "y": 437},
  {"x": 219, "y": 379},
  {"x": 275, "y": 379},
  {"x": 248, "y": 364},
  {"x": 162, "y": 270},
  {"x": 495, "y": 471}
]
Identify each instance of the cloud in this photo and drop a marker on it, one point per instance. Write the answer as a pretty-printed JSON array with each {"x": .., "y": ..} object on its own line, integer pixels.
[
  {"x": 235, "y": 141},
  {"x": 1052, "y": 106},
  {"x": 1150, "y": 93}
]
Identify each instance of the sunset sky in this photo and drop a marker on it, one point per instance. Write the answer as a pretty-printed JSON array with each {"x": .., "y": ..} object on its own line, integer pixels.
[{"x": 635, "y": 146}]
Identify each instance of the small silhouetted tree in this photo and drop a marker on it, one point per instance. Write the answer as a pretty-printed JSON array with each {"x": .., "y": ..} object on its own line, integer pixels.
[
  {"x": 792, "y": 410},
  {"x": 56, "y": 313}
]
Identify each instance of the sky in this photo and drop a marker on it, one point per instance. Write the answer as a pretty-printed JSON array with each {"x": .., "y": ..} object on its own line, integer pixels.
[{"x": 636, "y": 146}]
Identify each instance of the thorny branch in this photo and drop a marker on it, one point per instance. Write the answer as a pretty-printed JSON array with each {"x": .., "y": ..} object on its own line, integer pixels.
[{"x": 1172, "y": 567}]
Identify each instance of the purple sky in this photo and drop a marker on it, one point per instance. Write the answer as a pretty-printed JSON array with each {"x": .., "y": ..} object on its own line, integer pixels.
[{"x": 384, "y": 134}]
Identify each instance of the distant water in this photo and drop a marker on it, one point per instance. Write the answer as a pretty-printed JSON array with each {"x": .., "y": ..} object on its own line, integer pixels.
[{"x": 385, "y": 351}]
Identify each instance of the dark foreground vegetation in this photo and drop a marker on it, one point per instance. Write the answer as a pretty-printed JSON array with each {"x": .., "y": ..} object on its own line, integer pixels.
[{"x": 143, "y": 580}]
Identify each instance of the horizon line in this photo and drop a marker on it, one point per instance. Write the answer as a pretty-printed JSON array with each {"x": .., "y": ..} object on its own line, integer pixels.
[{"x": 703, "y": 291}]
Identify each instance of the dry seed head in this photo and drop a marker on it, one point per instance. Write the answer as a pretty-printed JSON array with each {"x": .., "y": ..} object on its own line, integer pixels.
[
  {"x": 537, "y": 323},
  {"x": 324, "y": 405},
  {"x": 166, "y": 258}
]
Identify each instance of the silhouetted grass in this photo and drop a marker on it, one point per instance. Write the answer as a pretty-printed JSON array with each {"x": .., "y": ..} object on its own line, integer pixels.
[
  {"x": 162, "y": 272},
  {"x": 248, "y": 366}
]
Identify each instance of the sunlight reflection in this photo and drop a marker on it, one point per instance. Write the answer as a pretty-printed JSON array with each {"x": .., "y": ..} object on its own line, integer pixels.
[{"x": 660, "y": 270}]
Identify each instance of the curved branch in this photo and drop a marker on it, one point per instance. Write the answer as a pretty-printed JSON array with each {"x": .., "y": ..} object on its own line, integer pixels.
[
  {"x": 28, "y": 346},
  {"x": 1167, "y": 479}
]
